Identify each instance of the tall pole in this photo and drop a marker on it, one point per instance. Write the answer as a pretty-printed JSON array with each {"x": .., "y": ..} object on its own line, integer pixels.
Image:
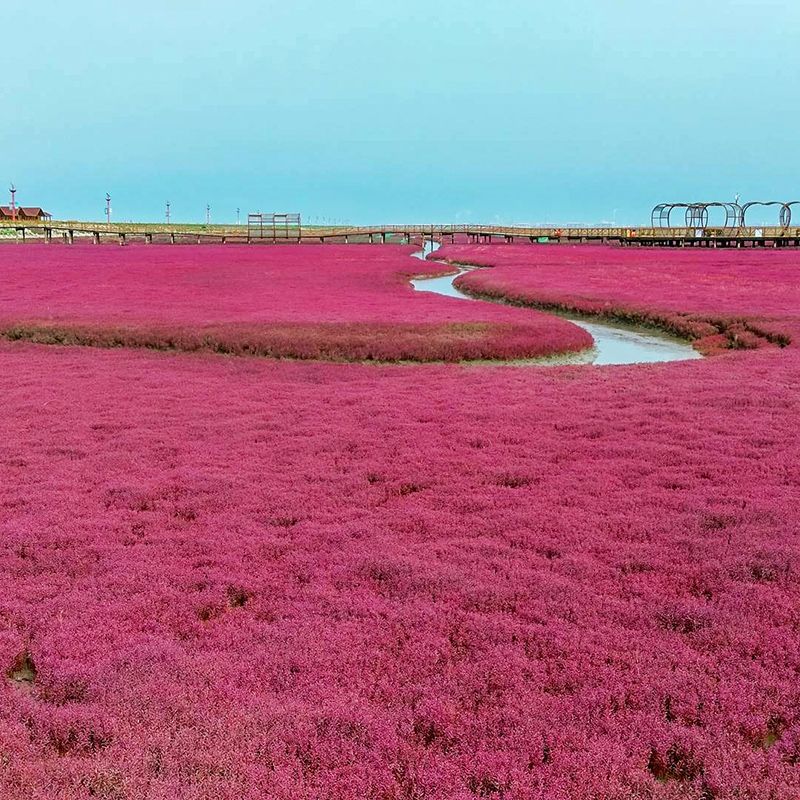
[
  {"x": 237, "y": 216},
  {"x": 208, "y": 214},
  {"x": 108, "y": 208},
  {"x": 13, "y": 203},
  {"x": 167, "y": 212}
]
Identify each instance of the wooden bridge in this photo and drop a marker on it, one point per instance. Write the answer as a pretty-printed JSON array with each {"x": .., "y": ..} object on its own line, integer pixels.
[{"x": 71, "y": 231}]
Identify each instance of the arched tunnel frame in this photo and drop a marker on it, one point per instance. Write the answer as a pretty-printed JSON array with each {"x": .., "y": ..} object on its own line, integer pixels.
[
  {"x": 786, "y": 212},
  {"x": 696, "y": 215},
  {"x": 784, "y": 215},
  {"x": 661, "y": 214}
]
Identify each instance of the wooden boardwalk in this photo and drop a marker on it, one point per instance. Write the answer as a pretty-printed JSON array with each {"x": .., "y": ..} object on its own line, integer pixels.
[{"x": 71, "y": 231}]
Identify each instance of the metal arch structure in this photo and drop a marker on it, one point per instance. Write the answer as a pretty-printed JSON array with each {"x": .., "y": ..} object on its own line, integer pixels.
[
  {"x": 659, "y": 217},
  {"x": 733, "y": 214},
  {"x": 764, "y": 204},
  {"x": 696, "y": 215},
  {"x": 786, "y": 213},
  {"x": 662, "y": 213}
]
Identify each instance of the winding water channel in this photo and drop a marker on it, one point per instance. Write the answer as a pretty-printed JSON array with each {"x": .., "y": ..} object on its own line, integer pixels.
[{"x": 614, "y": 343}]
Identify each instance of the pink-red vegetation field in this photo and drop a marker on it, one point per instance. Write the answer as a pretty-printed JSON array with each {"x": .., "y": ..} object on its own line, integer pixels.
[
  {"x": 232, "y": 579},
  {"x": 315, "y": 302},
  {"x": 720, "y": 298}
]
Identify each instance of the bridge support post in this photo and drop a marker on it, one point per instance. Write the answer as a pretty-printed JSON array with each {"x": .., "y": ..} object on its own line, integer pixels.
[
  {"x": 122, "y": 239},
  {"x": 95, "y": 237},
  {"x": 72, "y": 237},
  {"x": 383, "y": 237},
  {"x": 148, "y": 238},
  {"x": 172, "y": 238}
]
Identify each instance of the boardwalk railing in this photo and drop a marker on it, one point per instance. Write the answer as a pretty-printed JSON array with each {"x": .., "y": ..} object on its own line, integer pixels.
[{"x": 288, "y": 228}]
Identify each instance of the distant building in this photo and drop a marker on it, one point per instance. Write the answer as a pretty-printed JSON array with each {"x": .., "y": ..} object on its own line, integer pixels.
[
  {"x": 23, "y": 213},
  {"x": 31, "y": 212}
]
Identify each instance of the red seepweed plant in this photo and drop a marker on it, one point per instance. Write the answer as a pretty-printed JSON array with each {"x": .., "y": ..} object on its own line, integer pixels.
[
  {"x": 340, "y": 303},
  {"x": 238, "y": 578},
  {"x": 722, "y": 299}
]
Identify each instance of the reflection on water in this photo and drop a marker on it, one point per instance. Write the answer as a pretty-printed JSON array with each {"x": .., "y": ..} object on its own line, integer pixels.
[{"x": 613, "y": 343}]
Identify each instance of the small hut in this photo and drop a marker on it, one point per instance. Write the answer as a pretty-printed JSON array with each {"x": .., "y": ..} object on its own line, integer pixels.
[{"x": 32, "y": 212}]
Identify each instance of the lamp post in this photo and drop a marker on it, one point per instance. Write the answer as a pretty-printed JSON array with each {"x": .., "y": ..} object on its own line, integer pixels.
[
  {"x": 168, "y": 204},
  {"x": 108, "y": 208}
]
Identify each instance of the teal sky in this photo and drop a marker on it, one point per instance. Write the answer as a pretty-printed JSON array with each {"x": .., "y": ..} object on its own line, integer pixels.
[{"x": 575, "y": 111}]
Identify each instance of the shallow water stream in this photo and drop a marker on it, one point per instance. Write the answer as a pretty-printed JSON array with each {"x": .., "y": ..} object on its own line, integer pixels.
[{"x": 614, "y": 343}]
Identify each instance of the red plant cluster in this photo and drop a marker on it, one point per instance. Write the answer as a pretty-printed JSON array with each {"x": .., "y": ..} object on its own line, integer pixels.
[
  {"x": 237, "y": 579},
  {"x": 722, "y": 298},
  {"x": 312, "y": 302}
]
